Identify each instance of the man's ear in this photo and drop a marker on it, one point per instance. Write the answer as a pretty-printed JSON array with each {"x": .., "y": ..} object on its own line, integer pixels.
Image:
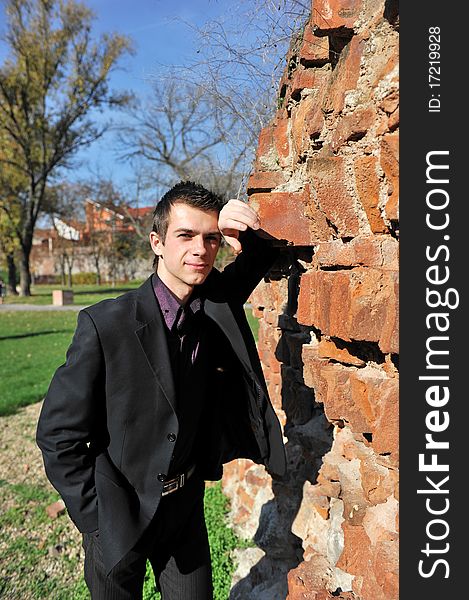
[{"x": 156, "y": 244}]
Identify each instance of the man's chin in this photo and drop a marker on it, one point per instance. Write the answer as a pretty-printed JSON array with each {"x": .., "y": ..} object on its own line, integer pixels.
[{"x": 198, "y": 278}]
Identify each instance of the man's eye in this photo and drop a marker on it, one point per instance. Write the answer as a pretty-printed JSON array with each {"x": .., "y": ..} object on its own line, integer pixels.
[{"x": 184, "y": 235}]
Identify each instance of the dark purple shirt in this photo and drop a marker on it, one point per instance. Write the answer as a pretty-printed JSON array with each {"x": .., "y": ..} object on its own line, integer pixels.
[
  {"x": 177, "y": 316},
  {"x": 184, "y": 329}
]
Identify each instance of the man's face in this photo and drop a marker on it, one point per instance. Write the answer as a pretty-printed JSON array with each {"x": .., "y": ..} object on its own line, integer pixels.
[{"x": 188, "y": 252}]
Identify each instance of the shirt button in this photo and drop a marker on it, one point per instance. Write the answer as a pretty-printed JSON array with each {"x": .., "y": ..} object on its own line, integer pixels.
[
  {"x": 172, "y": 437},
  {"x": 161, "y": 477}
]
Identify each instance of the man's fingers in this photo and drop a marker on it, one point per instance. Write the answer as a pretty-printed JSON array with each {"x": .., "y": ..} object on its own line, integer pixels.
[
  {"x": 234, "y": 243},
  {"x": 239, "y": 212},
  {"x": 232, "y": 223}
]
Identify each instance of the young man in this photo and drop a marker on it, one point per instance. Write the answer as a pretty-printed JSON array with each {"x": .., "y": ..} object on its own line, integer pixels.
[{"x": 161, "y": 386}]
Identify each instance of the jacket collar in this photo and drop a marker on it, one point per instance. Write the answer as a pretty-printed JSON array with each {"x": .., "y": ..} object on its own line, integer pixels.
[{"x": 152, "y": 337}]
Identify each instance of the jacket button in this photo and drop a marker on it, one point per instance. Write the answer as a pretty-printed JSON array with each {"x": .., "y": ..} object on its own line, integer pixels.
[
  {"x": 161, "y": 477},
  {"x": 172, "y": 437}
]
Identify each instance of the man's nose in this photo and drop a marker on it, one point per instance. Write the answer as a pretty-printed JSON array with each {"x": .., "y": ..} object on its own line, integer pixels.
[{"x": 198, "y": 245}]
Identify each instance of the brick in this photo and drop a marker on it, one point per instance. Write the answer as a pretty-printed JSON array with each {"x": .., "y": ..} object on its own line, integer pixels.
[
  {"x": 348, "y": 397},
  {"x": 56, "y": 509},
  {"x": 390, "y": 165},
  {"x": 370, "y": 251},
  {"x": 309, "y": 580},
  {"x": 387, "y": 61},
  {"x": 352, "y": 126},
  {"x": 282, "y": 141},
  {"x": 308, "y": 117},
  {"x": 328, "y": 349},
  {"x": 365, "y": 398},
  {"x": 335, "y": 14},
  {"x": 345, "y": 75},
  {"x": 386, "y": 427},
  {"x": 357, "y": 304},
  {"x": 300, "y": 138},
  {"x": 368, "y": 188},
  {"x": 389, "y": 338},
  {"x": 356, "y": 557},
  {"x": 315, "y": 49},
  {"x": 367, "y": 563},
  {"x": 390, "y": 102},
  {"x": 378, "y": 483},
  {"x": 393, "y": 121},
  {"x": 282, "y": 216},
  {"x": 266, "y": 154},
  {"x": 303, "y": 79},
  {"x": 291, "y": 216},
  {"x": 328, "y": 177},
  {"x": 265, "y": 180},
  {"x": 386, "y": 568}
]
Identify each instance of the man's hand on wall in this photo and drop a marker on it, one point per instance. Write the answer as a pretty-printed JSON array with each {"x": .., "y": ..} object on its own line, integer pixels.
[{"x": 234, "y": 217}]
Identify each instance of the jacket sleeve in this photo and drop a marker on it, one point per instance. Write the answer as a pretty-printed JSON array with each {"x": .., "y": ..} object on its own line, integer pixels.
[
  {"x": 243, "y": 275},
  {"x": 68, "y": 425}
]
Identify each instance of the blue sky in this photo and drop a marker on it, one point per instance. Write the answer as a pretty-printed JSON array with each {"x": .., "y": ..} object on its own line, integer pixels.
[{"x": 160, "y": 38}]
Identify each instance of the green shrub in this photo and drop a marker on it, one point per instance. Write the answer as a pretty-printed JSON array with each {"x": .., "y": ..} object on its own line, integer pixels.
[{"x": 84, "y": 278}]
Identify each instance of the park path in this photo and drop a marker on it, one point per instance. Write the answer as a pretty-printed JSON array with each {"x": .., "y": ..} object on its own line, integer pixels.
[{"x": 15, "y": 307}]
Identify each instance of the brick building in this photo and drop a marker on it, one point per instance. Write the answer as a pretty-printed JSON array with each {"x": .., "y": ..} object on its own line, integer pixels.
[{"x": 78, "y": 239}]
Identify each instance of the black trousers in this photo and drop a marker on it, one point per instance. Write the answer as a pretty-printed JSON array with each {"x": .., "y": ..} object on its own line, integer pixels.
[{"x": 175, "y": 543}]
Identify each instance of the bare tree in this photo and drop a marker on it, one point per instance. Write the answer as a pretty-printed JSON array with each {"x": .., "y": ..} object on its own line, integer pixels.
[
  {"x": 183, "y": 132},
  {"x": 203, "y": 124}
]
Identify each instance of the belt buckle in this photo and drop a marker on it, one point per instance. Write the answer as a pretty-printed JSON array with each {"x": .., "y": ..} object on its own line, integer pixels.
[
  {"x": 174, "y": 484},
  {"x": 171, "y": 486}
]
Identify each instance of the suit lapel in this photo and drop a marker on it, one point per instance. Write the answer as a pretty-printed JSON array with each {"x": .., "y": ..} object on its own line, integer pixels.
[
  {"x": 221, "y": 313},
  {"x": 152, "y": 337}
]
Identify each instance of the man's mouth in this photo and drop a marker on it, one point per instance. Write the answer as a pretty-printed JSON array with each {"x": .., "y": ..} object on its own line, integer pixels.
[{"x": 197, "y": 266}]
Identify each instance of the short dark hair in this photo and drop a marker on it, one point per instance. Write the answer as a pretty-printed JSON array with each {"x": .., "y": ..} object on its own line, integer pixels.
[{"x": 184, "y": 192}]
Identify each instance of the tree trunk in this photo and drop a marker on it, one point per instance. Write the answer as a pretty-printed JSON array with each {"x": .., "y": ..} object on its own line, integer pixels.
[
  {"x": 26, "y": 242},
  {"x": 69, "y": 276},
  {"x": 25, "y": 273},
  {"x": 11, "y": 286},
  {"x": 98, "y": 270},
  {"x": 62, "y": 269}
]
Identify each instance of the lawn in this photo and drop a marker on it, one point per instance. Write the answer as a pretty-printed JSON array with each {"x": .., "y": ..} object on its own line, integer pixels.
[
  {"x": 32, "y": 346},
  {"x": 41, "y": 558},
  {"x": 83, "y": 295}
]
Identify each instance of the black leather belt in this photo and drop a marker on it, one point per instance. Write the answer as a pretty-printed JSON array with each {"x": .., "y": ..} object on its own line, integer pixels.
[{"x": 172, "y": 485}]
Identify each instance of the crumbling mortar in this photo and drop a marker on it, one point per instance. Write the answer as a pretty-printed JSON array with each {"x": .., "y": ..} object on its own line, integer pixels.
[
  {"x": 383, "y": 197},
  {"x": 365, "y": 228}
]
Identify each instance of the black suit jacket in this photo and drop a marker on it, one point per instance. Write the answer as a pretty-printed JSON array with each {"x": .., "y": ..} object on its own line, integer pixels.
[{"x": 105, "y": 423}]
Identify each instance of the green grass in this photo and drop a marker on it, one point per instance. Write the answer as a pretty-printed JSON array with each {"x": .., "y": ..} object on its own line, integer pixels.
[
  {"x": 32, "y": 346},
  {"x": 253, "y": 323},
  {"x": 25, "y": 553},
  {"x": 26, "y": 536},
  {"x": 83, "y": 295}
]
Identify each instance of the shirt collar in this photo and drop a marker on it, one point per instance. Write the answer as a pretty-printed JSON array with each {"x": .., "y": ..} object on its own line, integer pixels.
[{"x": 171, "y": 306}]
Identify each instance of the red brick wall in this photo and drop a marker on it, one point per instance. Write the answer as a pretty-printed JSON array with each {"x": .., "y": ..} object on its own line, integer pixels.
[{"x": 326, "y": 180}]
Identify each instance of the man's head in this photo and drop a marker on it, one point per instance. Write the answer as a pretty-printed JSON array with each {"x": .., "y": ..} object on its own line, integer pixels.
[{"x": 185, "y": 236}]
